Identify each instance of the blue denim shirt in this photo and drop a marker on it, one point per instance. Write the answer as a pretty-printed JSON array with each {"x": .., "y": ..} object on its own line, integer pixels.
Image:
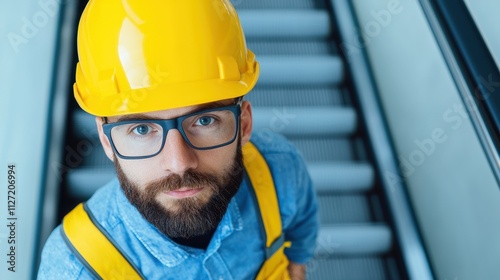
[{"x": 236, "y": 248}]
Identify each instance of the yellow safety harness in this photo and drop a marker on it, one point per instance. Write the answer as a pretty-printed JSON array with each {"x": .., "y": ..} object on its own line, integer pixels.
[{"x": 92, "y": 245}]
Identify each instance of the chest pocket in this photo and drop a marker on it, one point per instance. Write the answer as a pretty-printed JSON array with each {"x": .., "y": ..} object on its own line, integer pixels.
[{"x": 97, "y": 251}]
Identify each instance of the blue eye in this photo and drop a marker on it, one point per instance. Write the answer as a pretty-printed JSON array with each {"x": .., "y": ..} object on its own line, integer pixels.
[
  {"x": 141, "y": 129},
  {"x": 205, "y": 121}
]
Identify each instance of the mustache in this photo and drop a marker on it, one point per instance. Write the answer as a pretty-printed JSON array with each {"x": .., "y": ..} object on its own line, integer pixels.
[{"x": 190, "y": 179}]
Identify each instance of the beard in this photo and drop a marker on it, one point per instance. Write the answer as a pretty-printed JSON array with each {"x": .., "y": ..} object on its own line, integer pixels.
[{"x": 191, "y": 216}]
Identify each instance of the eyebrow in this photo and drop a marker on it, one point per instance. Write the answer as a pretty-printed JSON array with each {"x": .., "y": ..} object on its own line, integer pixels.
[
  {"x": 135, "y": 117},
  {"x": 143, "y": 117}
]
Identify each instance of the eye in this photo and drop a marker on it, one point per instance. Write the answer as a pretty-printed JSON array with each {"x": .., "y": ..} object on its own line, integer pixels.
[
  {"x": 205, "y": 121},
  {"x": 141, "y": 129}
]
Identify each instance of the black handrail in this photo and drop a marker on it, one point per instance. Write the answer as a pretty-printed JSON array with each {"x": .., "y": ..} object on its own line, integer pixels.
[{"x": 477, "y": 63}]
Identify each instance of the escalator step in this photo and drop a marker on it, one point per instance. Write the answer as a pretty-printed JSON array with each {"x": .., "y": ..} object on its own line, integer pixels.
[
  {"x": 335, "y": 177},
  {"x": 291, "y": 47},
  {"x": 344, "y": 209},
  {"x": 241, "y": 5},
  {"x": 351, "y": 268},
  {"x": 304, "y": 70},
  {"x": 285, "y": 23},
  {"x": 296, "y": 96},
  {"x": 311, "y": 121},
  {"x": 324, "y": 148},
  {"x": 353, "y": 239}
]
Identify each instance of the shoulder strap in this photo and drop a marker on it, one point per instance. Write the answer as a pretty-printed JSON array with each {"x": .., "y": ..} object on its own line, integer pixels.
[
  {"x": 261, "y": 180},
  {"x": 91, "y": 244}
]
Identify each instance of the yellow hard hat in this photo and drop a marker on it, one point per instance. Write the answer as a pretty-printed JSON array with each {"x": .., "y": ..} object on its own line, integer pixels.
[{"x": 140, "y": 56}]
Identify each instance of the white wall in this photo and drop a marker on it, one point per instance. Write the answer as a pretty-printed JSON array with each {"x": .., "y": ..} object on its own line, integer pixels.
[
  {"x": 27, "y": 49},
  {"x": 454, "y": 194}
]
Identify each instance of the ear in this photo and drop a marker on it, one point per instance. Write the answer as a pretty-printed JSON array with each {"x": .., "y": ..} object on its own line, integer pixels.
[
  {"x": 246, "y": 122},
  {"x": 106, "y": 145}
]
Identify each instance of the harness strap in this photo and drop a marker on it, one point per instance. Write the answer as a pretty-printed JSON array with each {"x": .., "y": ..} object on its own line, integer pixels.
[
  {"x": 91, "y": 245},
  {"x": 264, "y": 191}
]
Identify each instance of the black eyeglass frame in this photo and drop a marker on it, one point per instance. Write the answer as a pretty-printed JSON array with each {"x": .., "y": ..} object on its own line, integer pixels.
[{"x": 175, "y": 123}]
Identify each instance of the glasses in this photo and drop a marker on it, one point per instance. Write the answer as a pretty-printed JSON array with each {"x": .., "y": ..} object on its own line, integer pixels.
[{"x": 202, "y": 130}]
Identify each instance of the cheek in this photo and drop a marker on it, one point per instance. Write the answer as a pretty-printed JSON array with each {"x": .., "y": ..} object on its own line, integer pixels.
[
  {"x": 218, "y": 160},
  {"x": 138, "y": 172}
]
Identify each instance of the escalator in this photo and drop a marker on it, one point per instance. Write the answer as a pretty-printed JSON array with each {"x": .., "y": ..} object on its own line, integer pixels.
[{"x": 309, "y": 92}]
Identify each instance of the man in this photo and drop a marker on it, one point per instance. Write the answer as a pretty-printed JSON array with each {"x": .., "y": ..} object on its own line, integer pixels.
[{"x": 197, "y": 195}]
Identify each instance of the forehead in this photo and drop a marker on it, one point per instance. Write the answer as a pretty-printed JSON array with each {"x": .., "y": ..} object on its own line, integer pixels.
[{"x": 172, "y": 113}]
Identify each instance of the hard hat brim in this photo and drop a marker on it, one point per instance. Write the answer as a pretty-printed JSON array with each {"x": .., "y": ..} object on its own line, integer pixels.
[{"x": 145, "y": 100}]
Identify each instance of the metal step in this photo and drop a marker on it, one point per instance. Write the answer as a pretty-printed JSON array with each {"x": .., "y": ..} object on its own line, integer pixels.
[
  {"x": 305, "y": 70},
  {"x": 344, "y": 209},
  {"x": 295, "y": 96},
  {"x": 291, "y": 47},
  {"x": 353, "y": 240},
  {"x": 321, "y": 149},
  {"x": 285, "y": 23},
  {"x": 242, "y": 5},
  {"x": 336, "y": 177},
  {"x": 348, "y": 251},
  {"x": 348, "y": 268},
  {"x": 311, "y": 121}
]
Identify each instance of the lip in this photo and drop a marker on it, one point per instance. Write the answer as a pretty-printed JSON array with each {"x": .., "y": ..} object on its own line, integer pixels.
[{"x": 183, "y": 192}]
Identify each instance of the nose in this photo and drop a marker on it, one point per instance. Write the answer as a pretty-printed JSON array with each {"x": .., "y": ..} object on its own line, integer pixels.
[{"x": 177, "y": 156}]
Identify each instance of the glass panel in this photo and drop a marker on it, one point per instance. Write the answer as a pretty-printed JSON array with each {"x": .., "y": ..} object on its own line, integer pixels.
[{"x": 485, "y": 14}]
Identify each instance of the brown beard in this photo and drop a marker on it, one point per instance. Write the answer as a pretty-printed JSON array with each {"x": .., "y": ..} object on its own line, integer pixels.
[{"x": 191, "y": 216}]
